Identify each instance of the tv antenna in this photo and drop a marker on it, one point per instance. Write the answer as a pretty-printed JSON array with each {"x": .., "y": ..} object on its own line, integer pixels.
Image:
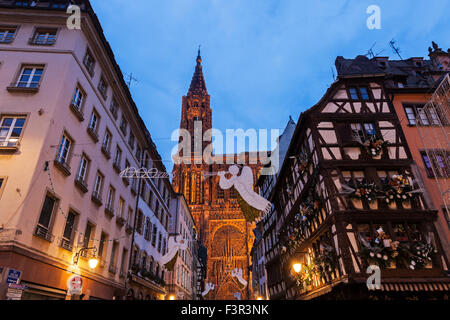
[
  {"x": 130, "y": 79},
  {"x": 370, "y": 53},
  {"x": 396, "y": 49}
]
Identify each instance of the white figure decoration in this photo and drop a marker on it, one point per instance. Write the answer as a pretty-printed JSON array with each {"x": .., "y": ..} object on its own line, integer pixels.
[
  {"x": 175, "y": 243},
  {"x": 244, "y": 185},
  {"x": 208, "y": 287},
  {"x": 237, "y": 273},
  {"x": 237, "y": 295}
]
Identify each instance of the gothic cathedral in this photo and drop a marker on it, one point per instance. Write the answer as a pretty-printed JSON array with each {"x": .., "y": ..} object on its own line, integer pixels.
[{"x": 220, "y": 223}]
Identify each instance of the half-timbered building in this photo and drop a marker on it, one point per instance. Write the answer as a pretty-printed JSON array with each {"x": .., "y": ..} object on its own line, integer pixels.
[{"x": 349, "y": 200}]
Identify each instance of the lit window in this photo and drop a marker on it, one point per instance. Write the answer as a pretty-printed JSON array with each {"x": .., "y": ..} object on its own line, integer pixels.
[
  {"x": 10, "y": 130},
  {"x": 30, "y": 77}
]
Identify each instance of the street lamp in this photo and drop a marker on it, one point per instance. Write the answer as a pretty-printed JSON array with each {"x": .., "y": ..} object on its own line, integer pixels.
[
  {"x": 172, "y": 297},
  {"x": 259, "y": 298},
  {"x": 297, "y": 267},
  {"x": 93, "y": 262}
]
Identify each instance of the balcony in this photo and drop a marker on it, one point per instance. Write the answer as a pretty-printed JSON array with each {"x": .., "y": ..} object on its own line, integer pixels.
[
  {"x": 93, "y": 134},
  {"x": 76, "y": 109},
  {"x": 81, "y": 184},
  {"x": 120, "y": 221},
  {"x": 66, "y": 244},
  {"x": 43, "y": 233},
  {"x": 32, "y": 87},
  {"x": 97, "y": 198},
  {"x": 109, "y": 211},
  {"x": 62, "y": 165},
  {"x": 106, "y": 152}
]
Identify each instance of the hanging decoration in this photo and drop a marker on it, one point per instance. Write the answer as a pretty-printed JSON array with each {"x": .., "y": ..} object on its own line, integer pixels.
[
  {"x": 302, "y": 161},
  {"x": 305, "y": 277},
  {"x": 374, "y": 145},
  {"x": 398, "y": 187},
  {"x": 237, "y": 273},
  {"x": 209, "y": 288}
]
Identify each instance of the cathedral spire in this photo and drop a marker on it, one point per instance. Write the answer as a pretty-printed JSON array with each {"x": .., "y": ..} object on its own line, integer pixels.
[{"x": 198, "y": 85}]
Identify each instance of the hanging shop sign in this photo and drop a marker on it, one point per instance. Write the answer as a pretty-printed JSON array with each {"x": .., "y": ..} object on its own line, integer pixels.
[
  {"x": 15, "y": 291},
  {"x": 74, "y": 285}
]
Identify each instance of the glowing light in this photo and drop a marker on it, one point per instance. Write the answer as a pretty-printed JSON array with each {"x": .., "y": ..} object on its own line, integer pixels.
[
  {"x": 259, "y": 298},
  {"x": 172, "y": 297},
  {"x": 297, "y": 267},
  {"x": 93, "y": 263}
]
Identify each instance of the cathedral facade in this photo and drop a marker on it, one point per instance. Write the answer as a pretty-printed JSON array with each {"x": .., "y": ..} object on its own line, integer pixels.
[{"x": 220, "y": 222}]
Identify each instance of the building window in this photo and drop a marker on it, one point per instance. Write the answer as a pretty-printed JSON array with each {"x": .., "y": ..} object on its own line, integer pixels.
[
  {"x": 11, "y": 130},
  {"x": 418, "y": 114},
  {"x": 131, "y": 139},
  {"x": 130, "y": 216},
  {"x": 64, "y": 150},
  {"x": 106, "y": 140},
  {"x": 121, "y": 207},
  {"x": 88, "y": 233},
  {"x": 110, "y": 198},
  {"x": 89, "y": 62},
  {"x": 2, "y": 185},
  {"x": 44, "y": 37},
  {"x": 138, "y": 154},
  {"x": 117, "y": 157},
  {"x": 159, "y": 241},
  {"x": 123, "y": 261},
  {"x": 363, "y": 131},
  {"x": 113, "y": 262},
  {"x": 353, "y": 93},
  {"x": 47, "y": 212},
  {"x": 154, "y": 234},
  {"x": 78, "y": 98},
  {"x": 30, "y": 77},
  {"x": 7, "y": 34},
  {"x": 364, "y": 93},
  {"x": 114, "y": 107},
  {"x": 123, "y": 125},
  {"x": 83, "y": 169},
  {"x": 139, "y": 222},
  {"x": 98, "y": 184},
  {"x": 103, "y": 87},
  {"x": 102, "y": 246},
  {"x": 66, "y": 242},
  {"x": 437, "y": 163},
  {"x": 148, "y": 229}
]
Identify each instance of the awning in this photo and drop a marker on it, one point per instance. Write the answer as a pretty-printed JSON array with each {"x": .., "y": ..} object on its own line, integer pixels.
[{"x": 421, "y": 286}]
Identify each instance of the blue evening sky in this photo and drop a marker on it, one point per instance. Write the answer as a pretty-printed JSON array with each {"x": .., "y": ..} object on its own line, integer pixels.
[{"x": 263, "y": 60}]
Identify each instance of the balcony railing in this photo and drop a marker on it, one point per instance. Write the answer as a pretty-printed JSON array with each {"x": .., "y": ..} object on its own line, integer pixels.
[
  {"x": 93, "y": 133},
  {"x": 76, "y": 109},
  {"x": 97, "y": 198},
  {"x": 128, "y": 228},
  {"x": 120, "y": 221},
  {"x": 66, "y": 244},
  {"x": 62, "y": 164},
  {"x": 81, "y": 184},
  {"x": 109, "y": 210},
  {"x": 43, "y": 233},
  {"x": 106, "y": 152}
]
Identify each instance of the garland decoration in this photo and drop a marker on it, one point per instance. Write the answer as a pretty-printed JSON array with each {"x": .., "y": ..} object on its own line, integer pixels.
[
  {"x": 305, "y": 277},
  {"x": 302, "y": 162},
  {"x": 419, "y": 254},
  {"x": 381, "y": 251},
  {"x": 365, "y": 191},
  {"x": 326, "y": 262},
  {"x": 398, "y": 188}
]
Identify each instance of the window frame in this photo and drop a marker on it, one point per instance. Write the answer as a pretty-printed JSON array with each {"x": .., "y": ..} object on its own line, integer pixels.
[
  {"x": 8, "y": 136},
  {"x": 432, "y": 118},
  {"x": 20, "y": 74},
  {"x": 4, "y": 179},
  {"x": 91, "y": 66},
  {"x": 33, "y": 39},
  {"x": 86, "y": 169},
  {"x": 7, "y": 28}
]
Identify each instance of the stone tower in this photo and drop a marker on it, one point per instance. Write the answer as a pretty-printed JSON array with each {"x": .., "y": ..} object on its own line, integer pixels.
[{"x": 220, "y": 223}]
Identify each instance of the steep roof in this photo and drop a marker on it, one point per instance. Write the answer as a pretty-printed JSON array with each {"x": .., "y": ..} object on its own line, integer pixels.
[{"x": 198, "y": 85}]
